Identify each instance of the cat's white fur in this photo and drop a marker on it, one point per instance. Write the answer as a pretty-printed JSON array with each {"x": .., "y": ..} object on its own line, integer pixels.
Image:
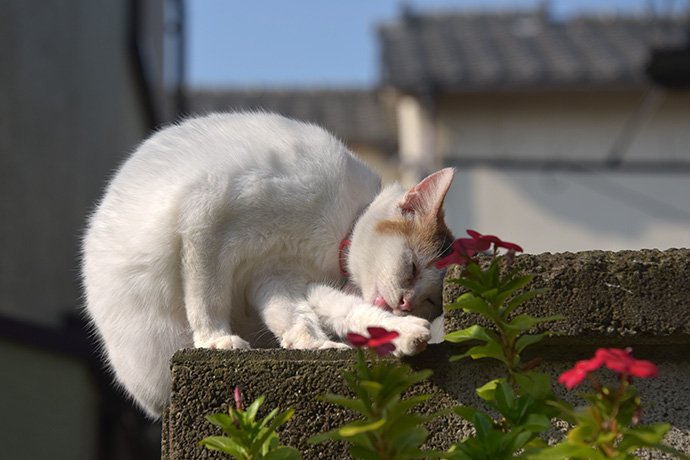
[{"x": 224, "y": 232}]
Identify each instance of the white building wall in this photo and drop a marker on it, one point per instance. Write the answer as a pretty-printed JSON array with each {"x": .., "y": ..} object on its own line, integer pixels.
[
  {"x": 555, "y": 210},
  {"x": 570, "y": 211},
  {"x": 416, "y": 141},
  {"x": 551, "y": 126}
]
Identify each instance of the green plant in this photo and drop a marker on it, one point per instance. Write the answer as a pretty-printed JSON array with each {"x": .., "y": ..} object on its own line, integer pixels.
[
  {"x": 492, "y": 295},
  {"x": 607, "y": 428},
  {"x": 524, "y": 398},
  {"x": 387, "y": 430},
  {"x": 249, "y": 439}
]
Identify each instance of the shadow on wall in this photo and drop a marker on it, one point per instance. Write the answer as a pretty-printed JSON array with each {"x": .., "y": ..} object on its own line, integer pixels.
[
  {"x": 573, "y": 209},
  {"x": 610, "y": 203}
]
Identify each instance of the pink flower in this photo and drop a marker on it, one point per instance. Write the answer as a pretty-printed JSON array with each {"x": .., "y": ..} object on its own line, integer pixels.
[
  {"x": 496, "y": 241},
  {"x": 379, "y": 339},
  {"x": 576, "y": 375},
  {"x": 465, "y": 248},
  {"x": 620, "y": 361},
  {"x": 238, "y": 399}
]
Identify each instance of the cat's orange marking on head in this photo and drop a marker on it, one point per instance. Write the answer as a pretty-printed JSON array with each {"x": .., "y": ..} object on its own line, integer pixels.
[
  {"x": 393, "y": 227},
  {"x": 428, "y": 237}
]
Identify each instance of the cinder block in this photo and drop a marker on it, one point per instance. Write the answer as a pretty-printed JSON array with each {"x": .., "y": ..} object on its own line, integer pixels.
[{"x": 630, "y": 298}]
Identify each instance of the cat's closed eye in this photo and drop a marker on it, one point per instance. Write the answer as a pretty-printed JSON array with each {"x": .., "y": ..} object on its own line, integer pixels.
[{"x": 412, "y": 273}]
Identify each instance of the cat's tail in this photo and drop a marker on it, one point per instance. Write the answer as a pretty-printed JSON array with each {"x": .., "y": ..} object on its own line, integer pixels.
[
  {"x": 139, "y": 354},
  {"x": 141, "y": 322}
]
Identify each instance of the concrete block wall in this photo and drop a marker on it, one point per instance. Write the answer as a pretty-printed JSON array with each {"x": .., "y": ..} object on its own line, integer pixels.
[{"x": 631, "y": 298}]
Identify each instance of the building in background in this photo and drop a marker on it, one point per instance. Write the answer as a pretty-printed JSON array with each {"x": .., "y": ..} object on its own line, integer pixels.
[
  {"x": 358, "y": 117},
  {"x": 560, "y": 140},
  {"x": 81, "y": 83}
]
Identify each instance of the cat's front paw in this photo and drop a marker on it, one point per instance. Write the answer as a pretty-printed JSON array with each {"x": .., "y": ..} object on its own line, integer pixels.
[
  {"x": 332, "y": 344},
  {"x": 225, "y": 342},
  {"x": 415, "y": 334}
]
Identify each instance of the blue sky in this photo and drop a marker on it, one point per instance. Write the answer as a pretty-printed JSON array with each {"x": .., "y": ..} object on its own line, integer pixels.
[{"x": 301, "y": 43}]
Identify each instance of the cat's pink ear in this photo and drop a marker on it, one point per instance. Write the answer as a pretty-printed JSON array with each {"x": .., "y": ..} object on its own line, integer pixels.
[{"x": 426, "y": 198}]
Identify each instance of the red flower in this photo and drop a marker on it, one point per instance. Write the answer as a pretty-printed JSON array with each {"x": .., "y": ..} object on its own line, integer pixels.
[
  {"x": 620, "y": 361},
  {"x": 379, "y": 339},
  {"x": 576, "y": 375},
  {"x": 465, "y": 248},
  {"x": 496, "y": 241}
]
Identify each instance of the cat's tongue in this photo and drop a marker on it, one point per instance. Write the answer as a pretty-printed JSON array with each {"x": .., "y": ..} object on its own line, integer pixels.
[{"x": 380, "y": 302}]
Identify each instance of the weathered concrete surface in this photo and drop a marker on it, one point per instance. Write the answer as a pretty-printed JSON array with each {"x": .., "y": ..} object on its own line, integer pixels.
[
  {"x": 609, "y": 297},
  {"x": 637, "y": 299},
  {"x": 204, "y": 381}
]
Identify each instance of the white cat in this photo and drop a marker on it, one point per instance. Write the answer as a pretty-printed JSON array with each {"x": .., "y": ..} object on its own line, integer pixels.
[{"x": 240, "y": 230}]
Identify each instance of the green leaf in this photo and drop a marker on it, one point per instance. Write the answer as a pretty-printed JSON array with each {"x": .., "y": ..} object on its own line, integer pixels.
[
  {"x": 402, "y": 425},
  {"x": 643, "y": 436},
  {"x": 408, "y": 381},
  {"x": 477, "y": 305},
  {"x": 490, "y": 350},
  {"x": 349, "y": 403},
  {"x": 519, "y": 300},
  {"x": 535, "y": 384},
  {"x": 494, "y": 271},
  {"x": 364, "y": 453},
  {"x": 488, "y": 390},
  {"x": 483, "y": 424},
  {"x": 522, "y": 323},
  {"x": 321, "y": 437},
  {"x": 475, "y": 332},
  {"x": 266, "y": 419},
  {"x": 373, "y": 388},
  {"x": 515, "y": 440},
  {"x": 353, "y": 383},
  {"x": 473, "y": 286},
  {"x": 476, "y": 271},
  {"x": 505, "y": 399},
  {"x": 224, "y": 444},
  {"x": 254, "y": 407},
  {"x": 517, "y": 283},
  {"x": 360, "y": 426},
  {"x": 537, "y": 423},
  {"x": 509, "y": 276},
  {"x": 222, "y": 421},
  {"x": 465, "y": 412},
  {"x": 283, "y": 453},
  {"x": 527, "y": 340},
  {"x": 490, "y": 295},
  {"x": 281, "y": 419},
  {"x": 410, "y": 441},
  {"x": 403, "y": 406},
  {"x": 567, "y": 449}
]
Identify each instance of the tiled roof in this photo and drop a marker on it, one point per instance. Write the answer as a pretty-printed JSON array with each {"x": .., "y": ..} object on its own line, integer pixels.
[
  {"x": 352, "y": 115},
  {"x": 489, "y": 51}
]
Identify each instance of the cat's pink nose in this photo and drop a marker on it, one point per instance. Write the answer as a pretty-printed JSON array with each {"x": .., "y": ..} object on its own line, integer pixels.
[{"x": 405, "y": 305}]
